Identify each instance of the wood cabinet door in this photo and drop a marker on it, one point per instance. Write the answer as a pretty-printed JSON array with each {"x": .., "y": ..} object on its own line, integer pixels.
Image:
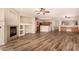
[
  {"x": 74, "y": 29},
  {"x": 63, "y": 29}
]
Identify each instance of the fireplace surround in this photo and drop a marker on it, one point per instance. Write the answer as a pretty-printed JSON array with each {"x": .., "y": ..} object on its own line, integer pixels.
[{"x": 11, "y": 32}]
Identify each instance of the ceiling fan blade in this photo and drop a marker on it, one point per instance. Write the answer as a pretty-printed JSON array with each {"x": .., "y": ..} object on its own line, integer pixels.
[
  {"x": 42, "y": 9},
  {"x": 47, "y": 11},
  {"x": 38, "y": 13}
]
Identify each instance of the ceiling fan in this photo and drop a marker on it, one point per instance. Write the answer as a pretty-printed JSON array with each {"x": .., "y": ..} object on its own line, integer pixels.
[{"x": 42, "y": 11}]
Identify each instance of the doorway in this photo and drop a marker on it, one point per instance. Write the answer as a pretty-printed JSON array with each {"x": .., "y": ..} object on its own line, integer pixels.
[{"x": 37, "y": 25}]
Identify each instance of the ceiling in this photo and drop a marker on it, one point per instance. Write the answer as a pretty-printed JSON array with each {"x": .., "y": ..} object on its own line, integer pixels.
[{"x": 54, "y": 12}]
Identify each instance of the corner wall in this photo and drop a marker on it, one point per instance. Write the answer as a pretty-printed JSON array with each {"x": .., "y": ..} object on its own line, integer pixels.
[{"x": 2, "y": 27}]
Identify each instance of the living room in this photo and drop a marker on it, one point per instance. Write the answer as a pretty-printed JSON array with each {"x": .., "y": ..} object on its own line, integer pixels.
[{"x": 32, "y": 24}]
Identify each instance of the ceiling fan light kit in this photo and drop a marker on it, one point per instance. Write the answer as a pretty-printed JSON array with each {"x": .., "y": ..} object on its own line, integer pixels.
[{"x": 42, "y": 11}]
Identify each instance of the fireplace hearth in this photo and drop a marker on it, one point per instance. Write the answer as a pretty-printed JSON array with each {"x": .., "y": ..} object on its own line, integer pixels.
[{"x": 13, "y": 31}]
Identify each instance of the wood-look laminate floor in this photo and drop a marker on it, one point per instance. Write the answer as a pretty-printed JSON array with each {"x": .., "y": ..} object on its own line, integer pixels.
[{"x": 54, "y": 41}]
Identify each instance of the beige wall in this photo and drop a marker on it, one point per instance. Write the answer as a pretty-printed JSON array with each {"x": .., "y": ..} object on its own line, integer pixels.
[
  {"x": 25, "y": 19},
  {"x": 11, "y": 17},
  {"x": 2, "y": 15},
  {"x": 3, "y": 28}
]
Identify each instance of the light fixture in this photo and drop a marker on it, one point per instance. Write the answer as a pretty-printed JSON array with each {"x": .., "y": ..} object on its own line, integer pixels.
[{"x": 42, "y": 11}]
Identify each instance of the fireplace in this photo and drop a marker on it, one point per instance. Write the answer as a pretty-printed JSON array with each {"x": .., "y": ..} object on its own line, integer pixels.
[{"x": 13, "y": 31}]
